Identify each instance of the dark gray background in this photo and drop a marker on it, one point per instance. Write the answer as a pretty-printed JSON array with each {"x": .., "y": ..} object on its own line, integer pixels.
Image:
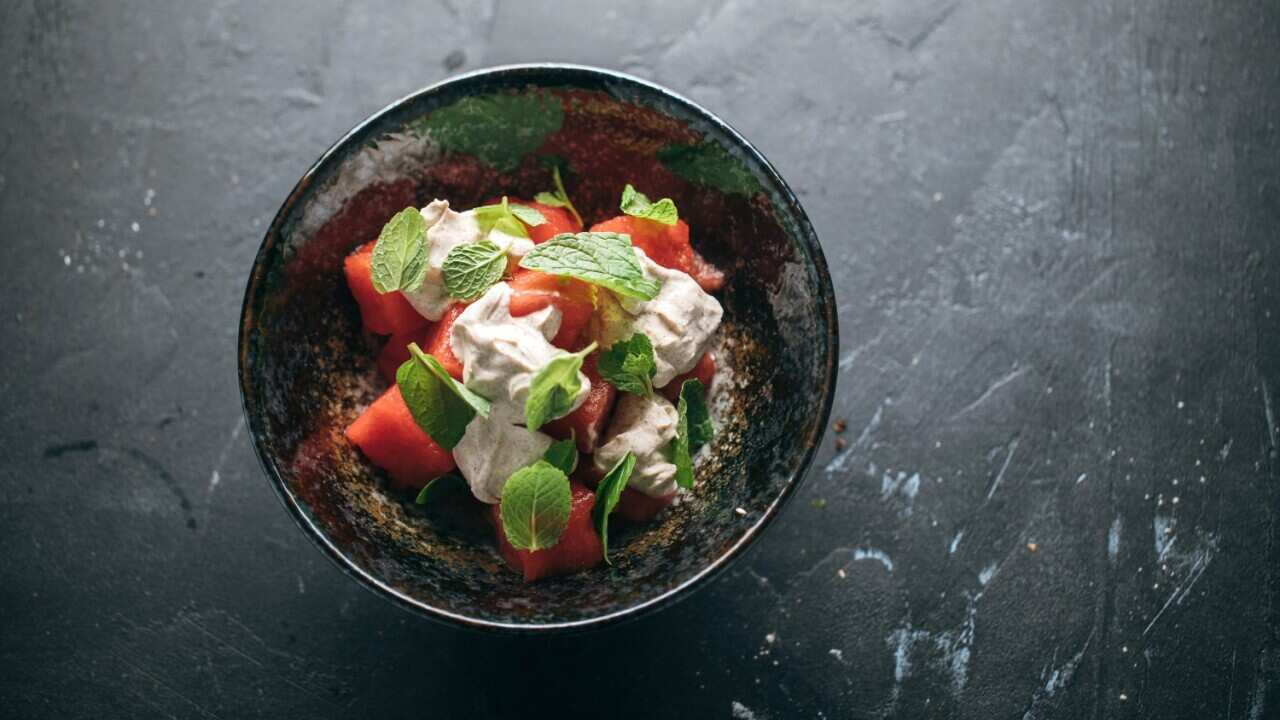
[{"x": 1053, "y": 231}]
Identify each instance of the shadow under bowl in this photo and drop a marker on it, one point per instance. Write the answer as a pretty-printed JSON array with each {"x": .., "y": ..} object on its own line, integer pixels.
[{"x": 307, "y": 368}]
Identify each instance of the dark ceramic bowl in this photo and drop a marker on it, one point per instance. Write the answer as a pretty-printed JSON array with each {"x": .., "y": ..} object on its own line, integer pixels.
[{"x": 306, "y": 368}]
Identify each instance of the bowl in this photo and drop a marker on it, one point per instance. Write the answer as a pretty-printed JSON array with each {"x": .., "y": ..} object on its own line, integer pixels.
[{"x": 307, "y": 369}]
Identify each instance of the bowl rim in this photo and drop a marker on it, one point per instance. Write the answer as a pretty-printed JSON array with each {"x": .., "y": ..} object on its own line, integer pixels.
[{"x": 534, "y": 73}]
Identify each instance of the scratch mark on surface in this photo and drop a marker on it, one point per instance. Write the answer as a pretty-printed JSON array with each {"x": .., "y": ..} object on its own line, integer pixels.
[
  {"x": 991, "y": 390},
  {"x": 955, "y": 543},
  {"x": 215, "y": 476},
  {"x": 1113, "y": 540},
  {"x": 873, "y": 554},
  {"x": 1058, "y": 679},
  {"x": 161, "y": 682},
  {"x": 1199, "y": 559},
  {"x": 931, "y": 27},
  {"x": 1013, "y": 447}
]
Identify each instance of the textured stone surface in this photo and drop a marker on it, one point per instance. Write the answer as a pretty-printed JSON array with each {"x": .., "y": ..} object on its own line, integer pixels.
[{"x": 1053, "y": 230}]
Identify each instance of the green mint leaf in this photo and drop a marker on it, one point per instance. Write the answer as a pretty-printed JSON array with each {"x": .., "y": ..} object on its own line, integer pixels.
[
  {"x": 554, "y": 388},
  {"x": 629, "y": 365},
  {"x": 440, "y": 405},
  {"x": 507, "y": 218},
  {"x": 501, "y": 129},
  {"x": 636, "y": 204},
  {"x": 693, "y": 430},
  {"x": 708, "y": 163},
  {"x": 400, "y": 256},
  {"x": 694, "y": 397},
  {"x": 563, "y": 454},
  {"x": 535, "y": 506},
  {"x": 527, "y": 215},
  {"x": 437, "y": 487},
  {"x": 608, "y": 492},
  {"x": 604, "y": 259},
  {"x": 471, "y": 269},
  {"x": 559, "y": 198}
]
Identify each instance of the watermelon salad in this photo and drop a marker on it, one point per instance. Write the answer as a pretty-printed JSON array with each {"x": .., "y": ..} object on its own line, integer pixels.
[{"x": 559, "y": 374}]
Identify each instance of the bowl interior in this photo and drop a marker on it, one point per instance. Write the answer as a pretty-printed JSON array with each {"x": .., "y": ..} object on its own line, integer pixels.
[{"x": 307, "y": 369}]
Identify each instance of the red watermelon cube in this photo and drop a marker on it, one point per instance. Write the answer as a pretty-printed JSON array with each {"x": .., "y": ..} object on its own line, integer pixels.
[
  {"x": 382, "y": 314},
  {"x": 437, "y": 341},
  {"x": 578, "y": 549},
  {"x": 389, "y": 437},
  {"x": 637, "y": 507},
  {"x": 559, "y": 220},
  {"x": 704, "y": 371},
  {"x": 533, "y": 291},
  {"x": 587, "y": 423},
  {"x": 396, "y": 351}
]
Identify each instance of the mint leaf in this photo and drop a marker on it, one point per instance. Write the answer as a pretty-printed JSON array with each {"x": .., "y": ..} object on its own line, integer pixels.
[
  {"x": 604, "y": 259},
  {"x": 629, "y": 365},
  {"x": 535, "y": 506},
  {"x": 693, "y": 430},
  {"x": 694, "y": 398},
  {"x": 559, "y": 198},
  {"x": 608, "y": 492},
  {"x": 437, "y": 487},
  {"x": 400, "y": 256},
  {"x": 563, "y": 454},
  {"x": 471, "y": 269},
  {"x": 708, "y": 163},
  {"x": 440, "y": 405},
  {"x": 527, "y": 215},
  {"x": 507, "y": 218},
  {"x": 554, "y": 388},
  {"x": 636, "y": 204},
  {"x": 500, "y": 129}
]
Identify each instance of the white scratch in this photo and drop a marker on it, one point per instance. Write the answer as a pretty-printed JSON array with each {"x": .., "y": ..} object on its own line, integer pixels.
[
  {"x": 215, "y": 476},
  {"x": 1113, "y": 540},
  {"x": 741, "y": 712},
  {"x": 987, "y": 573},
  {"x": 1013, "y": 447},
  {"x": 1082, "y": 478},
  {"x": 1162, "y": 529},
  {"x": 890, "y": 117},
  {"x": 955, "y": 543},
  {"x": 1057, "y": 680},
  {"x": 1194, "y": 562},
  {"x": 836, "y": 653},
  {"x": 1270, "y": 414},
  {"x": 873, "y": 554},
  {"x": 991, "y": 390}
]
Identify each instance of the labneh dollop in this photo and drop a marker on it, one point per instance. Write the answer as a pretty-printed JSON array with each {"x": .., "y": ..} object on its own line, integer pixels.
[
  {"x": 446, "y": 230},
  {"x": 500, "y": 354},
  {"x": 681, "y": 321},
  {"x": 495, "y": 447},
  {"x": 644, "y": 426}
]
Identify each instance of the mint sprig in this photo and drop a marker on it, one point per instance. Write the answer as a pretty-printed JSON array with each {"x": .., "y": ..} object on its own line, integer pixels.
[
  {"x": 563, "y": 454},
  {"x": 558, "y": 198},
  {"x": 440, "y": 405},
  {"x": 554, "y": 388},
  {"x": 471, "y": 269},
  {"x": 600, "y": 258},
  {"x": 535, "y": 506},
  {"x": 608, "y": 492},
  {"x": 507, "y": 218},
  {"x": 399, "y": 259},
  {"x": 629, "y": 365},
  {"x": 693, "y": 430},
  {"x": 637, "y": 204}
]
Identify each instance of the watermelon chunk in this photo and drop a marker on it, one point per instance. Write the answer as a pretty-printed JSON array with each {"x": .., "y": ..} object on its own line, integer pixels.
[
  {"x": 559, "y": 220},
  {"x": 705, "y": 371},
  {"x": 437, "y": 341},
  {"x": 578, "y": 549},
  {"x": 588, "y": 422},
  {"x": 396, "y": 351},
  {"x": 382, "y": 314},
  {"x": 667, "y": 245},
  {"x": 533, "y": 291},
  {"x": 389, "y": 437},
  {"x": 637, "y": 507}
]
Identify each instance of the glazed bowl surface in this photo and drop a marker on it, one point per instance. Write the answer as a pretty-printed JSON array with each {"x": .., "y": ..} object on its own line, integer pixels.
[{"x": 307, "y": 369}]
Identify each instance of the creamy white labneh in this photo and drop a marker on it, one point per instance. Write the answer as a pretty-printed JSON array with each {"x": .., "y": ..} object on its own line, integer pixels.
[
  {"x": 495, "y": 447},
  {"x": 644, "y": 426},
  {"x": 500, "y": 354},
  {"x": 681, "y": 321},
  {"x": 446, "y": 230}
]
